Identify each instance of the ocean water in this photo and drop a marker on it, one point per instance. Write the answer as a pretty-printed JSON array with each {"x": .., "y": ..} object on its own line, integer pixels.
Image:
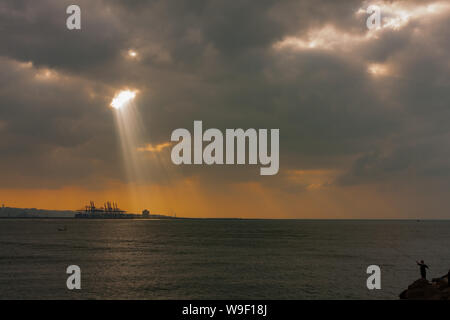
[{"x": 217, "y": 259}]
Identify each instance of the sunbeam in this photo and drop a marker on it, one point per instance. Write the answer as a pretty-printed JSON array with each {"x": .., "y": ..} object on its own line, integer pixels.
[{"x": 131, "y": 134}]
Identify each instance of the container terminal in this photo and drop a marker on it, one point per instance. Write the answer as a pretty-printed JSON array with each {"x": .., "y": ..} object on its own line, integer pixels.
[{"x": 111, "y": 210}]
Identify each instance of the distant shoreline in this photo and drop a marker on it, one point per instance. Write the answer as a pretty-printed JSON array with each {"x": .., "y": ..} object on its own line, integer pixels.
[
  {"x": 253, "y": 219},
  {"x": 33, "y": 213}
]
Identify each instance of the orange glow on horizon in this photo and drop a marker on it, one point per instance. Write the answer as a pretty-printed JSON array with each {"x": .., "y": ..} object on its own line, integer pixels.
[{"x": 191, "y": 198}]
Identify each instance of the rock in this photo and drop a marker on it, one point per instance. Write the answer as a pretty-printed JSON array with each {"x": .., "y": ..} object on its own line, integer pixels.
[{"x": 423, "y": 290}]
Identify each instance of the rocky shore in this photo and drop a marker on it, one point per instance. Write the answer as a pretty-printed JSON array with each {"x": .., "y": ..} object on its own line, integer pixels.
[{"x": 422, "y": 289}]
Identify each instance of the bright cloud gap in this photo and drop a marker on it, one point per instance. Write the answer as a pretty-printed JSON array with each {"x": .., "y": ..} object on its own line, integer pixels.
[
  {"x": 394, "y": 17},
  {"x": 123, "y": 98}
]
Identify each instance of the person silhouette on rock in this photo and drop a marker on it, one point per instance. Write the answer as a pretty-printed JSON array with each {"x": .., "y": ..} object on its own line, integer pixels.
[{"x": 423, "y": 269}]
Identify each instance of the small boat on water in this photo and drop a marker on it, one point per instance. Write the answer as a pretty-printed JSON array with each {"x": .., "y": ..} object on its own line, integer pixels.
[{"x": 62, "y": 229}]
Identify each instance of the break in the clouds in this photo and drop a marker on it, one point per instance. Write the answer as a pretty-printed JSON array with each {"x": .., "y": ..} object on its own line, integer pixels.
[{"x": 356, "y": 108}]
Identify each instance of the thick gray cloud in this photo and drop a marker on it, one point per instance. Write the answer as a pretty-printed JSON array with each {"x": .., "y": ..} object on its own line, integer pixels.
[
  {"x": 35, "y": 31},
  {"x": 218, "y": 61}
]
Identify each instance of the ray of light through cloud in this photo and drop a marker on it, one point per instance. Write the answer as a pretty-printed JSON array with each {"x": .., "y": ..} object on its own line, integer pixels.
[
  {"x": 140, "y": 172},
  {"x": 131, "y": 132}
]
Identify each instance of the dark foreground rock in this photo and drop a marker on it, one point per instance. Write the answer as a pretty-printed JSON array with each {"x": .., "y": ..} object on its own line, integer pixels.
[{"x": 423, "y": 290}]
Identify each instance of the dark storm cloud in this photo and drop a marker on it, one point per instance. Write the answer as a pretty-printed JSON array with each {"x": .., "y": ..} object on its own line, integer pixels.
[
  {"x": 216, "y": 61},
  {"x": 420, "y": 91},
  {"x": 53, "y": 132},
  {"x": 35, "y": 31}
]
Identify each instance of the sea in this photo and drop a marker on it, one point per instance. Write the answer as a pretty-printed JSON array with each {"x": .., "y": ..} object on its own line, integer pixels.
[{"x": 217, "y": 259}]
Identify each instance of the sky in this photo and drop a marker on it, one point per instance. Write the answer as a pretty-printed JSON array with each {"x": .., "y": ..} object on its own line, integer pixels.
[{"x": 363, "y": 114}]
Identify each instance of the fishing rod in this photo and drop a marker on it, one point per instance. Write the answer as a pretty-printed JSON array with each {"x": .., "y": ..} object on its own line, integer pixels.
[{"x": 403, "y": 253}]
